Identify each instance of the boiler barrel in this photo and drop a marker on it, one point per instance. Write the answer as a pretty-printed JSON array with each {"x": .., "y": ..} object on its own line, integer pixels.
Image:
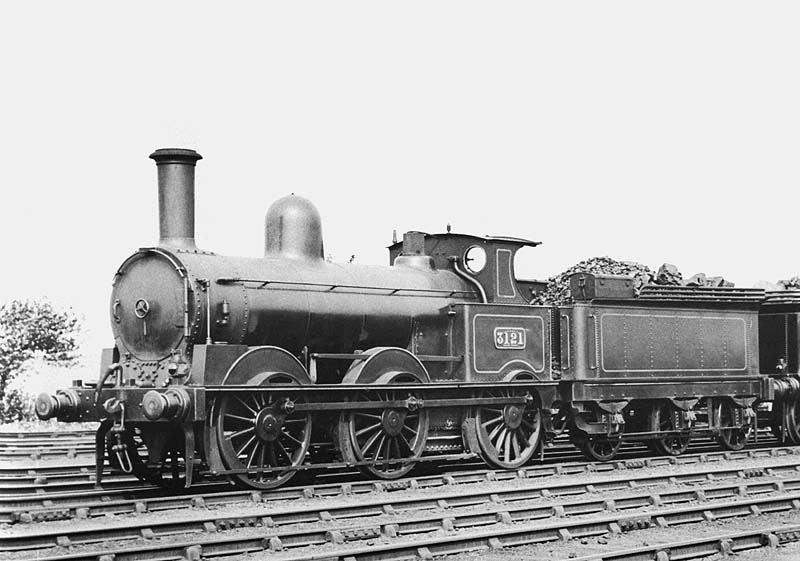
[{"x": 324, "y": 306}]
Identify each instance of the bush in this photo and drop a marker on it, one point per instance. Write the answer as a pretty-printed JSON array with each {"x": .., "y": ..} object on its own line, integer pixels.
[
  {"x": 31, "y": 330},
  {"x": 17, "y": 406}
]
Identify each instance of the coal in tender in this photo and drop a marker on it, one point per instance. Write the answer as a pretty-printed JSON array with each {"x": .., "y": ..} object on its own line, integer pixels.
[{"x": 557, "y": 290}]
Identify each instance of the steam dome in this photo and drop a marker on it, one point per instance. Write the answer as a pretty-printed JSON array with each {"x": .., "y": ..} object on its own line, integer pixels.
[{"x": 293, "y": 228}]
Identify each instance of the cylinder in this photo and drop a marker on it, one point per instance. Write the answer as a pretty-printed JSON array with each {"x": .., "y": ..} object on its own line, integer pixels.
[{"x": 176, "y": 196}]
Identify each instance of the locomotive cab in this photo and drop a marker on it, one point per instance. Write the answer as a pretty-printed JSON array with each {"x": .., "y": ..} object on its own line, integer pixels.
[{"x": 487, "y": 263}]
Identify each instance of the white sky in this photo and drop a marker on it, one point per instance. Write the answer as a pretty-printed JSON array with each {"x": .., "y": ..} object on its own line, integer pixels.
[{"x": 646, "y": 131}]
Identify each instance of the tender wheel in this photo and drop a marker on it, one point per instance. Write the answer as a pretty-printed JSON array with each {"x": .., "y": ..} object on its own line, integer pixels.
[
  {"x": 732, "y": 435},
  {"x": 508, "y": 435},
  {"x": 389, "y": 438},
  {"x": 597, "y": 448},
  {"x": 665, "y": 417},
  {"x": 258, "y": 430}
]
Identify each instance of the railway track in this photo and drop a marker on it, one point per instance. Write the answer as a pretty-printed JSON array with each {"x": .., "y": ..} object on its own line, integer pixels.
[
  {"x": 418, "y": 517},
  {"x": 45, "y": 435},
  {"x": 78, "y": 476},
  {"x": 263, "y": 515},
  {"x": 137, "y": 497},
  {"x": 40, "y": 445},
  {"x": 424, "y": 524}
]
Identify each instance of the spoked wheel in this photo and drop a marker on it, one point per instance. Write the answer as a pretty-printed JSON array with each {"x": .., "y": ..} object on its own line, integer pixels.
[
  {"x": 384, "y": 440},
  {"x": 599, "y": 448},
  {"x": 665, "y": 417},
  {"x": 508, "y": 434},
  {"x": 261, "y": 431},
  {"x": 387, "y": 438},
  {"x": 732, "y": 435}
]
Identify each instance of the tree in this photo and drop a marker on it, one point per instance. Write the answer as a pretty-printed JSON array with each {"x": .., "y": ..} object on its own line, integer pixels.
[{"x": 29, "y": 330}]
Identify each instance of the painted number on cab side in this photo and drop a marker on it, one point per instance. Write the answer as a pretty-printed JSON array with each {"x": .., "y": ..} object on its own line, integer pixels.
[{"x": 509, "y": 337}]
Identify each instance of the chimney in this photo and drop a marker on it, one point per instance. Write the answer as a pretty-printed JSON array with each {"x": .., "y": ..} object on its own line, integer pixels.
[{"x": 176, "y": 196}]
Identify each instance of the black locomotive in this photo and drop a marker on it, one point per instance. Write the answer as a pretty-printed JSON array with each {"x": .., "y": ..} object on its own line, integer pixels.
[{"x": 258, "y": 368}]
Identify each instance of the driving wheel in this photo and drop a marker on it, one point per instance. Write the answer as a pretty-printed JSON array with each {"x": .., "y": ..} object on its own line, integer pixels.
[
  {"x": 384, "y": 441},
  {"x": 261, "y": 437},
  {"x": 508, "y": 433}
]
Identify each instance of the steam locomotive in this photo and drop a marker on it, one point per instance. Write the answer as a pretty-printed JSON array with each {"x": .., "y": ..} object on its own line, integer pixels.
[{"x": 256, "y": 369}]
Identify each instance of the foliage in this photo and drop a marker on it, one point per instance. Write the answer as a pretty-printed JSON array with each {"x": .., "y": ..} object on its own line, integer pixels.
[
  {"x": 16, "y": 406},
  {"x": 29, "y": 330}
]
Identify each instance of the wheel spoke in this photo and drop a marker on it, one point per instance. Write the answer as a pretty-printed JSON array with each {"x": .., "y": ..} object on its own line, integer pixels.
[
  {"x": 515, "y": 443},
  {"x": 281, "y": 448},
  {"x": 242, "y": 432},
  {"x": 290, "y": 437},
  {"x": 490, "y": 422},
  {"x": 507, "y": 446},
  {"x": 407, "y": 444},
  {"x": 252, "y": 455},
  {"x": 501, "y": 438},
  {"x": 245, "y": 405},
  {"x": 367, "y": 429},
  {"x": 370, "y": 443},
  {"x": 379, "y": 450},
  {"x": 240, "y": 451},
  {"x": 414, "y": 433},
  {"x": 494, "y": 433},
  {"x": 238, "y": 418}
]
